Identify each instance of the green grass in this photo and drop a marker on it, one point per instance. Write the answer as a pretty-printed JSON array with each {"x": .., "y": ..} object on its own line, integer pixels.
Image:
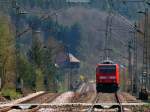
[
  {"x": 146, "y": 108},
  {"x": 62, "y": 89},
  {"x": 39, "y": 80},
  {"x": 10, "y": 92}
]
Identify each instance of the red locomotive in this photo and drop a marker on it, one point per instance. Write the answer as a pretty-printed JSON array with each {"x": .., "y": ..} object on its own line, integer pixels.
[{"x": 107, "y": 77}]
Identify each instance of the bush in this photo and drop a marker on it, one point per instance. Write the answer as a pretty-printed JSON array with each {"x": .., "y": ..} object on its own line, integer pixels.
[{"x": 8, "y": 92}]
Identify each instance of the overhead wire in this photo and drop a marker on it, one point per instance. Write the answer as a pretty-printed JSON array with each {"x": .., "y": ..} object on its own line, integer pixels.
[
  {"x": 109, "y": 25},
  {"x": 42, "y": 18},
  {"x": 130, "y": 24}
]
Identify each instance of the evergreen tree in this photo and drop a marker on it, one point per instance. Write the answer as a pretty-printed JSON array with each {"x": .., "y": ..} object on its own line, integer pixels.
[
  {"x": 7, "y": 53},
  {"x": 27, "y": 72},
  {"x": 49, "y": 69},
  {"x": 74, "y": 37}
]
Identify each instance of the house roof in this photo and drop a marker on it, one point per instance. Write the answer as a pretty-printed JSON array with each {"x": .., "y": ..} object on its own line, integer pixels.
[{"x": 73, "y": 59}]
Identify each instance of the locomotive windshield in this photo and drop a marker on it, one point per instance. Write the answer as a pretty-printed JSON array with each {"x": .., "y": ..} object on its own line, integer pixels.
[{"x": 107, "y": 69}]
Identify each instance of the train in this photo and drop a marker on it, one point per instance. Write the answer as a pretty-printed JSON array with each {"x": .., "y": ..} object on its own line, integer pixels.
[{"x": 107, "y": 76}]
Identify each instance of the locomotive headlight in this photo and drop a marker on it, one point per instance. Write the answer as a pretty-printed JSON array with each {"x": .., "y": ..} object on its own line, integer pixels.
[
  {"x": 102, "y": 77},
  {"x": 112, "y": 77}
]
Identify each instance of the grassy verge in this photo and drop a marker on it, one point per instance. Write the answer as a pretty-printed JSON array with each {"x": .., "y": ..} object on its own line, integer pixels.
[
  {"x": 61, "y": 88},
  {"x": 10, "y": 93}
]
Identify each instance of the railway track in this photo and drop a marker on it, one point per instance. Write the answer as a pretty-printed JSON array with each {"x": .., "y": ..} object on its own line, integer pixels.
[
  {"x": 13, "y": 103},
  {"x": 120, "y": 107},
  {"x": 91, "y": 109},
  {"x": 85, "y": 95},
  {"x": 44, "y": 98},
  {"x": 84, "y": 89},
  {"x": 48, "y": 98},
  {"x": 113, "y": 98},
  {"x": 41, "y": 99}
]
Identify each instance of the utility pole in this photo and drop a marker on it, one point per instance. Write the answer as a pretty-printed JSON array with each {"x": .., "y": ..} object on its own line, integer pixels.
[
  {"x": 148, "y": 48},
  {"x": 67, "y": 75},
  {"x": 144, "y": 77},
  {"x": 130, "y": 65},
  {"x": 18, "y": 12},
  {"x": 1, "y": 72},
  {"x": 145, "y": 55},
  {"x": 135, "y": 77},
  {"x": 108, "y": 31},
  {"x": 17, "y": 19},
  {"x": 106, "y": 38},
  {"x": 35, "y": 46}
]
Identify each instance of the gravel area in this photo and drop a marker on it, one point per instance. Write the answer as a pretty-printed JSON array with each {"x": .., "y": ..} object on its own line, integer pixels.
[
  {"x": 86, "y": 94},
  {"x": 2, "y": 99},
  {"x": 42, "y": 99},
  {"x": 106, "y": 98},
  {"x": 127, "y": 98},
  {"x": 84, "y": 98},
  {"x": 63, "y": 98}
]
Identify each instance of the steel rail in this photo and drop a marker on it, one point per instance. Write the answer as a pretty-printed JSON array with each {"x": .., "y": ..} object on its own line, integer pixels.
[
  {"x": 91, "y": 108},
  {"x": 8, "y": 108},
  {"x": 119, "y": 106},
  {"x": 84, "y": 88},
  {"x": 39, "y": 106},
  {"x": 119, "y": 102}
]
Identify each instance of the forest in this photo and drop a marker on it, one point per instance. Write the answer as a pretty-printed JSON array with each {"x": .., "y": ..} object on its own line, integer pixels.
[{"x": 33, "y": 32}]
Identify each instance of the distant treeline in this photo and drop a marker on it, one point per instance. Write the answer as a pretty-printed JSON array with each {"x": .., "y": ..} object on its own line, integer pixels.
[{"x": 125, "y": 8}]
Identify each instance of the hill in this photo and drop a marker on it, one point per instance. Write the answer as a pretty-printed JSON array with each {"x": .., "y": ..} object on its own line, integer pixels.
[
  {"x": 128, "y": 9},
  {"x": 93, "y": 28}
]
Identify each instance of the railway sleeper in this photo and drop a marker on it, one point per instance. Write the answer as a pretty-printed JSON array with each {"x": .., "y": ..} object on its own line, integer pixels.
[
  {"x": 110, "y": 107},
  {"x": 19, "y": 107}
]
